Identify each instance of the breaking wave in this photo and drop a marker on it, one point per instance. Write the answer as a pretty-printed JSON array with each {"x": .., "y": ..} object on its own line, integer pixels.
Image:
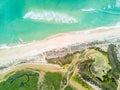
[
  {"x": 118, "y": 24},
  {"x": 88, "y": 10},
  {"x": 4, "y": 46},
  {"x": 50, "y": 16}
]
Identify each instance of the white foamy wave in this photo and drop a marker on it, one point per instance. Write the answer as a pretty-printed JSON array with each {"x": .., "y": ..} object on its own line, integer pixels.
[
  {"x": 50, "y": 16},
  {"x": 87, "y": 32},
  {"x": 118, "y": 24},
  {"x": 4, "y": 46},
  {"x": 117, "y": 3},
  {"x": 88, "y": 10}
]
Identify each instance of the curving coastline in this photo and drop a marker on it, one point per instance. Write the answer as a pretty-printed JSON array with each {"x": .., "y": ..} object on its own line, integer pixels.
[{"x": 58, "y": 45}]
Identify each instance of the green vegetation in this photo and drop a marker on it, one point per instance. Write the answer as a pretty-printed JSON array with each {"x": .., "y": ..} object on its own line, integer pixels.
[
  {"x": 69, "y": 88},
  {"x": 7, "y": 75},
  {"x": 101, "y": 64},
  {"x": 104, "y": 71},
  {"x": 113, "y": 60},
  {"x": 51, "y": 81},
  {"x": 93, "y": 65},
  {"x": 21, "y": 80},
  {"x": 67, "y": 59},
  {"x": 80, "y": 81},
  {"x": 99, "y": 50}
]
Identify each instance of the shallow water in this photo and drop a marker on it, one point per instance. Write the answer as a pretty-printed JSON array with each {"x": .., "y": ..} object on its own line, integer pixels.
[{"x": 28, "y": 20}]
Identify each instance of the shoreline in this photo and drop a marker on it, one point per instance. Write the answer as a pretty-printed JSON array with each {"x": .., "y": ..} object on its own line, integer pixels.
[
  {"x": 86, "y": 31},
  {"x": 17, "y": 54}
]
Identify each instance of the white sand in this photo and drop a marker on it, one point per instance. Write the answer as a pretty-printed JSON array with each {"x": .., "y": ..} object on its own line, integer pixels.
[{"x": 57, "y": 41}]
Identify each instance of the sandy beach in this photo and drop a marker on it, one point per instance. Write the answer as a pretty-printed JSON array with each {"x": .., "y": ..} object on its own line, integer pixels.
[{"x": 58, "y": 41}]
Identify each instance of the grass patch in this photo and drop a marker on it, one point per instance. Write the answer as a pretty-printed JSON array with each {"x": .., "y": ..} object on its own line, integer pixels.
[
  {"x": 52, "y": 81},
  {"x": 68, "y": 88},
  {"x": 78, "y": 80},
  {"x": 21, "y": 80},
  {"x": 67, "y": 59}
]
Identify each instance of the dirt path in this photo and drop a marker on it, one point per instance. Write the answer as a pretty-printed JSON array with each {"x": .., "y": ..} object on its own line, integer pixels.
[
  {"x": 33, "y": 66},
  {"x": 70, "y": 71}
]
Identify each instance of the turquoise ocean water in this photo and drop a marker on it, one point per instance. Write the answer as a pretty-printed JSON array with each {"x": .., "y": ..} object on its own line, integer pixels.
[{"x": 28, "y": 20}]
